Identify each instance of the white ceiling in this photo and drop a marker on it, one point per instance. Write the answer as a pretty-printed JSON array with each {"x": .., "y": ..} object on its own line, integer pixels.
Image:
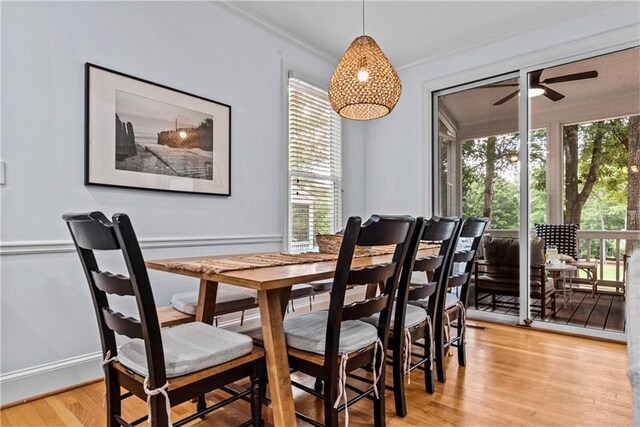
[
  {"x": 409, "y": 31},
  {"x": 615, "y": 92}
]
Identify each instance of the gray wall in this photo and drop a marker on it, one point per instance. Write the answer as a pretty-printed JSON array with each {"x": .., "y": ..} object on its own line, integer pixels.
[{"x": 198, "y": 47}]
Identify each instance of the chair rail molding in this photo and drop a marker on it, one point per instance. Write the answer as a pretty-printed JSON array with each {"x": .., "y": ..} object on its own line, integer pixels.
[{"x": 61, "y": 246}]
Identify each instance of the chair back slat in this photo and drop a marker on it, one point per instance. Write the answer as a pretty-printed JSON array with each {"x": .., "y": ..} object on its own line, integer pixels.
[
  {"x": 473, "y": 227},
  {"x": 458, "y": 280},
  {"x": 440, "y": 229},
  {"x": 112, "y": 283},
  {"x": 464, "y": 256},
  {"x": 392, "y": 231},
  {"x": 92, "y": 231},
  {"x": 122, "y": 325},
  {"x": 428, "y": 263},
  {"x": 366, "y": 308},
  {"x": 417, "y": 292},
  {"x": 371, "y": 274}
]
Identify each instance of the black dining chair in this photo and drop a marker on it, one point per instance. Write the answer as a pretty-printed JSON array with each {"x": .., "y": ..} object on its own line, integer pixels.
[
  {"x": 455, "y": 300},
  {"x": 162, "y": 366},
  {"x": 411, "y": 322},
  {"x": 328, "y": 345}
]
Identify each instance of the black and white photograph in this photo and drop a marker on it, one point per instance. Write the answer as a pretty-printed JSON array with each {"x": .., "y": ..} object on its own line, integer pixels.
[
  {"x": 155, "y": 137},
  {"x": 145, "y": 135}
]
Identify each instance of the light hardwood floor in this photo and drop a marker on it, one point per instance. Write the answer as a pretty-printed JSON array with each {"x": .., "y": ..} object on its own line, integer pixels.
[{"x": 514, "y": 376}]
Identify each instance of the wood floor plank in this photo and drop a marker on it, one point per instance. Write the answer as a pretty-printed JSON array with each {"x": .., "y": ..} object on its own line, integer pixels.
[
  {"x": 514, "y": 377},
  {"x": 600, "y": 312},
  {"x": 616, "y": 320}
]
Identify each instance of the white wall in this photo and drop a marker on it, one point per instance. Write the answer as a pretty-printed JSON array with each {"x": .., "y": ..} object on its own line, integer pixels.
[
  {"x": 198, "y": 47},
  {"x": 394, "y": 172}
]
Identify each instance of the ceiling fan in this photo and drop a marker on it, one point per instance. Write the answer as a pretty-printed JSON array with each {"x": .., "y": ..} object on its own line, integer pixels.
[{"x": 539, "y": 86}]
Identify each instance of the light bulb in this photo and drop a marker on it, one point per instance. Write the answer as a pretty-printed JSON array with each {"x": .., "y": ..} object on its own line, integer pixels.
[
  {"x": 363, "y": 75},
  {"x": 183, "y": 134},
  {"x": 535, "y": 91}
]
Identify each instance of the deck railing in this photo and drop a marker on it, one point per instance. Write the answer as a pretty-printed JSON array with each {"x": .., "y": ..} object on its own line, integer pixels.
[{"x": 604, "y": 247}]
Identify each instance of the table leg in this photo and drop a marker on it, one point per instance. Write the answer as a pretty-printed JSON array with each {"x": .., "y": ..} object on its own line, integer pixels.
[
  {"x": 207, "y": 301},
  {"x": 276, "y": 354}
]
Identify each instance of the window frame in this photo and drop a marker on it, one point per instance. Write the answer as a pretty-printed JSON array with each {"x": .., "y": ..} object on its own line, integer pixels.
[{"x": 290, "y": 71}]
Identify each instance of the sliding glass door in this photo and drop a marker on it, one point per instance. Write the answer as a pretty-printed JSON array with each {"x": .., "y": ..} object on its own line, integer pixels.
[
  {"x": 569, "y": 191},
  {"x": 478, "y": 175}
]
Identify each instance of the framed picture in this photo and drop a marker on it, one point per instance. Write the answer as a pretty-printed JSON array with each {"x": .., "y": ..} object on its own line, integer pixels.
[{"x": 145, "y": 135}]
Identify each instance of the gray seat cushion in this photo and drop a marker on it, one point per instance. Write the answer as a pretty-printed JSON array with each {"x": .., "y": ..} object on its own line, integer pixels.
[
  {"x": 228, "y": 298},
  {"x": 413, "y": 316},
  {"x": 308, "y": 333},
  {"x": 450, "y": 301},
  {"x": 188, "y": 348}
]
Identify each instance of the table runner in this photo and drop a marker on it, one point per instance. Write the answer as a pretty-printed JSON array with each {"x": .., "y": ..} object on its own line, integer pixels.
[{"x": 215, "y": 265}]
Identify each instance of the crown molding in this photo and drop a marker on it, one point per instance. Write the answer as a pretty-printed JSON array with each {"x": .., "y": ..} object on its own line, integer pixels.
[{"x": 236, "y": 8}]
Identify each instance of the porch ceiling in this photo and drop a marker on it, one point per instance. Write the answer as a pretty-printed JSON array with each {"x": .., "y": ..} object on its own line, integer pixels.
[{"x": 615, "y": 92}]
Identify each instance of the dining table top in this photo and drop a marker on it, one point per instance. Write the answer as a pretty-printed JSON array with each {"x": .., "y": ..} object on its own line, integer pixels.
[{"x": 263, "y": 278}]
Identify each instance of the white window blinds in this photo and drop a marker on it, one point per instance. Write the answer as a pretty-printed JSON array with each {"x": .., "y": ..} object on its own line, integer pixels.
[{"x": 315, "y": 165}]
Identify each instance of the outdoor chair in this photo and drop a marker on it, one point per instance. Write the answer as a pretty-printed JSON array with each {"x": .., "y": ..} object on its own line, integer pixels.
[
  {"x": 498, "y": 274},
  {"x": 163, "y": 367},
  {"x": 565, "y": 238}
]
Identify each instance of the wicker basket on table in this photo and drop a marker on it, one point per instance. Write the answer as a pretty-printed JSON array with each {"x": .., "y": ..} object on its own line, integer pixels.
[{"x": 330, "y": 244}]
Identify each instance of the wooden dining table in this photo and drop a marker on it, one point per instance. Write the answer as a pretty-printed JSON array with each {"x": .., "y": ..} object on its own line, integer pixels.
[{"x": 273, "y": 285}]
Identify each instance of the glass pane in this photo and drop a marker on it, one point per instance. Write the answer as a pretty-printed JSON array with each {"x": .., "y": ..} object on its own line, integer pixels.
[
  {"x": 584, "y": 184},
  {"x": 479, "y": 175}
]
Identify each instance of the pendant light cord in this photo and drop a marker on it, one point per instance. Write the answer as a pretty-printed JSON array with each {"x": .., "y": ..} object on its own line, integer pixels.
[{"x": 363, "y": 33}]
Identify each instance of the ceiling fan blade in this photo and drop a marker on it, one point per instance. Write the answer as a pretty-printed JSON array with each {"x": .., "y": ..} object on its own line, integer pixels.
[
  {"x": 552, "y": 94},
  {"x": 506, "y": 98},
  {"x": 572, "y": 77},
  {"x": 535, "y": 76}
]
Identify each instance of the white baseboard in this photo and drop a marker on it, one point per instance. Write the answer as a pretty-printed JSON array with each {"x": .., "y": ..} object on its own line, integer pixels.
[
  {"x": 19, "y": 385},
  {"x": 23, "y": 384}
]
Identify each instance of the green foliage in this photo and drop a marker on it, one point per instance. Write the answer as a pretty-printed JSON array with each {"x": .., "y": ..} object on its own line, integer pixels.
[{"x": 606, "y": 206}]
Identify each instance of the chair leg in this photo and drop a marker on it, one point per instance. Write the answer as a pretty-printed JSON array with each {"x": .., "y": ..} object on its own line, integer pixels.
[
  {"x": 398, "y": 379},
  {"x": 439, "y": 356},
  {"x": 114, "y": 405},
  {"x": 543, "y": 305},
  {"x": 330, "y": 396},
  {"x": 201, "y": 405},
  {"x": 159, "y": 411},
  {"x": 429, "y": 381},
  {"x": 462, "y": 344},
  {"x": 256, "y": 401}
]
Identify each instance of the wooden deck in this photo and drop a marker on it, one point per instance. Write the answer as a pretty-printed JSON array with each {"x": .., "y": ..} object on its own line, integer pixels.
[
  {"x": 514, "y": 377},
  {"x": 604, "y": 312}
]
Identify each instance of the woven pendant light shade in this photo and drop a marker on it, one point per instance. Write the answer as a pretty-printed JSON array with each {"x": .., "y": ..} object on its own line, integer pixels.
[{"x": 364, "y": 85}]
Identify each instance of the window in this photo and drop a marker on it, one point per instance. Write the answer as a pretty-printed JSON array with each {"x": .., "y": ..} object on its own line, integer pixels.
[{"x": 315, "y": 166}]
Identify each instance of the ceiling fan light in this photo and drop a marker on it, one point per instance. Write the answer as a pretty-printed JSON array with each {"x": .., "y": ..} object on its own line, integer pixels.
[
  {"x": 535, "y": 91},
  {"x": 357, "y": 96}
]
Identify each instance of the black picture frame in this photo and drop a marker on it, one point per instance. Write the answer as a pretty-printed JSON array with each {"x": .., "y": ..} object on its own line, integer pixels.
[{"x": 179, "y": 184}]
